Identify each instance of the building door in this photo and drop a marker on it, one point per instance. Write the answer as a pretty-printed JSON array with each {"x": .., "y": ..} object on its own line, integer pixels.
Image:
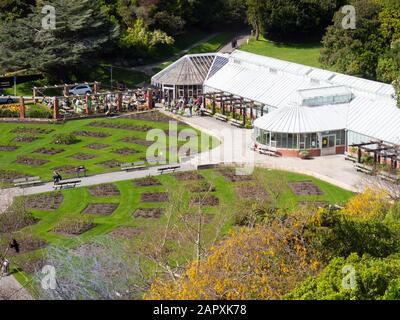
[{"x": 328, "y": 144}]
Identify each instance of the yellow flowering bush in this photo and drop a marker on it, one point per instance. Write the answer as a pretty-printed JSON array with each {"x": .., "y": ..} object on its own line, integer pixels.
[{"x": 264, "y": 262}]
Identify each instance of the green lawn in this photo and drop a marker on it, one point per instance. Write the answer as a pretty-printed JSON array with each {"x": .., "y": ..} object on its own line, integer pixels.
[
  {"x": 113, "y": 143},
  {"x": 75, "y": 201},
  {"x": 214, "y": 44},
  {"x": 307, "y": 54}
]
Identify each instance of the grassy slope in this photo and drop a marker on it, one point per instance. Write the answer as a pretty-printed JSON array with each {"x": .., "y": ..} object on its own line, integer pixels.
[
  {"x": 7, "y": 159},
  {"x": 76, "y": 200},
  {"x": 307, "y": 54}
]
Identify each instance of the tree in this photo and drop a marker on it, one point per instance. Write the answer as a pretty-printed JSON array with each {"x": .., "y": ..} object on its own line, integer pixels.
[
  {"x": 264, "y": 262},
  {"x": 102, "y": 269},
  {"x": 82, "y": 31},
  {"x": 355, "y": 52},
  {"x": 255, "y": 9},
  {"x": 374, "y": 279}
]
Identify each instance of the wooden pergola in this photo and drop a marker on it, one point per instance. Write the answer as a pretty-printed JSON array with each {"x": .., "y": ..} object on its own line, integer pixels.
[
  {"x": 232, "y": 103},
  {"x": 381, "y": 151},
  {"x": 65, "y": 88}
]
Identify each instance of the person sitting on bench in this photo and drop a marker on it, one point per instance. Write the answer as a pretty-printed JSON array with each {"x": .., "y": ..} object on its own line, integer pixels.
[{"x": 56, "y": 177}]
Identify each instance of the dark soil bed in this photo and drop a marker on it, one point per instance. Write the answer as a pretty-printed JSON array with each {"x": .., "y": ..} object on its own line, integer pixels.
[
  {"x": 231, "y": 175},
  {"x": 97, "y": 146},
  {"x": 126, "y": 232},
  {"x": 103, "y": 209},
  {"x": 121, "y": 126},
  {"x": 31, "y": 162},
  {"x": 28, "y": 243},
  {"x": 49, "y": 151},
  {"x": 74, "y": 230},
  {"x": 193, "y": 219},
  {"x": 83, "y": 156},
  {"x": 91, "y": 134},
  {"x": 9, "y": 176},
  {"x": 8, "y": 148},
  {"x": 251, "y": 192},
  {"x": 313, "y": 204},
  {"x": 50, "y": 201},
  {"x": 125, "y": 151},
  {"x": 305, "y": 188},
  {"x": 31, "y": 131},
  {"x": 147, "y": 182},
  {"x": 154, "y": 197},
  {"x": 104, "y": 190},
  {"x": 151, "y": 116},
  {"x": 205, "y": 200},
  {"x": 8, "y": 225},
  {"x": 25, "y": 138},
  {"x": 188, "y": 175},
  {"x": 200, "y": 186},
  {"x": 147, "y": 213},
  {"x": 32, "y": 265},
  {"x": 112, "y": 164},
  {"x": 66, "y": 170},
  {"x": 138, "y": 141}
]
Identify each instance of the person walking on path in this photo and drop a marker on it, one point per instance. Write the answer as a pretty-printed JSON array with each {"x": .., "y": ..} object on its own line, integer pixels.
[{"x": 56, "y": 177}]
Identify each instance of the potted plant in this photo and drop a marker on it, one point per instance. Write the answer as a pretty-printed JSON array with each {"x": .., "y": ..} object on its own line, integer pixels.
[{"x": 304, "y": 154}]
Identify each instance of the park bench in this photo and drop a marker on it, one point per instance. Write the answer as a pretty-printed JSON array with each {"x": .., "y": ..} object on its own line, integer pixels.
[
  {"x": 389, "y": 177},
  {"x": 29, "y": 181},
  {"x": 67, "y": 184},
  {"x": 207, "y": 112},
  {"x": 361, "y": 168},
  {"x": 207, "y": 166},
  {"x": 236, "y": 123},
  {"x": 168, "y": 169},
  {"x": 132, "y": 166},
  {"x": 350, "y": 157},
  {"x": 268, "y": 152},
  {"x": 221, "y": 117}
]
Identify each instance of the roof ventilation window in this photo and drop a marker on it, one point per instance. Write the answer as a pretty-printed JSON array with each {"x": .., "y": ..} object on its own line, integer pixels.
[
  {"x": 315, "y": 81},
  {"x": 325, "y": 96},
  {"x": 273, "y": 70}
]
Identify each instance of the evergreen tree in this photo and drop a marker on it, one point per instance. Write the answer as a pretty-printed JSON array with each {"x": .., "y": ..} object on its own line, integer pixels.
[{"x": 82, "y": 32}]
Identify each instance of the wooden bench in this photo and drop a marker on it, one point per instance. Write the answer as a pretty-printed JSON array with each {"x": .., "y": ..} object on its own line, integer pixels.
[
  {"x": 132, "y": 166},
  {"x": 349, "y": 157},
  {"x": 29, "y": 181},
  {"x": 389, "y": 177},
  {"x": 67, "y": 184},
  {"x": 221, "y": 117},
  {"x": 206, "y": 112},
  {"x": 236, "y": 123},
  {"x": 168, "y": 169},
  {"x": 360, "y": 168},
  {"x": 268, "y": 152}
]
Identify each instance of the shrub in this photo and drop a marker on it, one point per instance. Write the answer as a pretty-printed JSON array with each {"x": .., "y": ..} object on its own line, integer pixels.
[
  {"x": 67, "y": 139},
  {"x": 40, "y": 114},
  {"x": 74, "y": 225}
]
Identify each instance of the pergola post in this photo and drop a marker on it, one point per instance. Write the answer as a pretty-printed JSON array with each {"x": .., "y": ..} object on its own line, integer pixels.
[
  {"x": 244, "y": 116},
  {"x": 95, "y": 87},
  {"x": 56, "y": 112},
  {"x": 149, "y": 99},
  {"x": 251, "y": 110},
  {"x": 34, "y": 95},
  {"x": 119, "y": 102},
  {"x": 213, "y": 104},
  {"x": 21, "y": 108},
  {"x": 87, "y": 104},
  {"x": 223, "y": 106},
  {"x": 262, "y": 110},
  {"x": 359, "y": 155},
  {"x": 66, "y": 90}
]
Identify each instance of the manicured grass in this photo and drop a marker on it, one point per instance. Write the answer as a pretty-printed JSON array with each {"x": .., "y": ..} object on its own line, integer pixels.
[
  {"x": 214, "y": 44},
  {"x": 76, "y": 200},
  {"x": 27, "y": 149},
  {"x": 307, "y": 54}
]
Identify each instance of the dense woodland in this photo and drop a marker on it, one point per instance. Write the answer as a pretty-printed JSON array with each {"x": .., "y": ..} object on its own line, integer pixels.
[{"x": 89, "y": 32}]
